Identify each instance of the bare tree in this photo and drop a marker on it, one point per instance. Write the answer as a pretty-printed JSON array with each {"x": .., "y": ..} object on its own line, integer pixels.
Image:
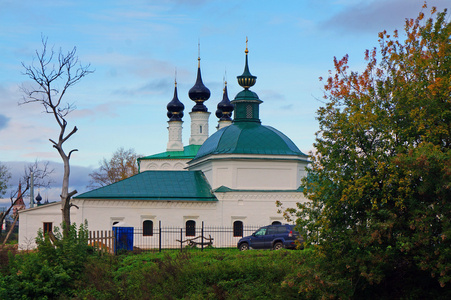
[
  {"x": 41, "y": 175},
  {"x": 121, "y": 165},
  {"x": 54, "y": 74},
  {"x": 5, "y": 176}
]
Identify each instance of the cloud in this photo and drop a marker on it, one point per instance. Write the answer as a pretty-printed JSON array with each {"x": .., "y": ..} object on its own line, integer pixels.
[
  {"x": 157, "y": 86},
  {"x": 103, "y": 110},
  {"x": 271, "y": 95},
  {"x": 79, "y": 179},
  {"x": 371, "y": 16},
  {"x": 121, "y": 65},
  {"x": 4, "y": 120}
]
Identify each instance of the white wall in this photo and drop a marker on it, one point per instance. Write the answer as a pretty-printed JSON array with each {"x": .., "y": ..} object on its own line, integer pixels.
[
  {"x": 245, "y": 173},
  {"x": 33, "y": 219},
  {"x": 252, "y": 208},
  {"x": 163, "y": 164}
]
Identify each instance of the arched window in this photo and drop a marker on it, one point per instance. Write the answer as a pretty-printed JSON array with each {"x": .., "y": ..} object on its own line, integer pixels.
[
  {"x": 200, "y": 129},
  {"x": 276, "y": 223},
  {"x": 237, "y": 228},
  {"x": 147, "y": 228},
  {"x": 190, "y": 228}
]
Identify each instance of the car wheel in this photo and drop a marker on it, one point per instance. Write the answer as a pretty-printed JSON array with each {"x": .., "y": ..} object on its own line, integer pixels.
[
  {"x": 277, "y": 246},
  {"x": 244, "y": 247}
]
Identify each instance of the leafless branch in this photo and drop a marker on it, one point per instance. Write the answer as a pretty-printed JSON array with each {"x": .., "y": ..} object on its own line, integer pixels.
[
  {"x": 73, "y": 150},
  {"x": 41, "y": 178},
  {"x": 53, "y": 74}
]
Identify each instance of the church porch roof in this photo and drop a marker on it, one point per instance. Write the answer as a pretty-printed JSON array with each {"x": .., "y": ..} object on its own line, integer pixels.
[{"x": 157, "y": 185}]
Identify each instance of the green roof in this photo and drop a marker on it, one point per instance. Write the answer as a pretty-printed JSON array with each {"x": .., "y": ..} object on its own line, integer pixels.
[
  {"x": 189, "y": 152},
  {"x": 157, "y": 185},
  {"x": 248, "y": 138}
]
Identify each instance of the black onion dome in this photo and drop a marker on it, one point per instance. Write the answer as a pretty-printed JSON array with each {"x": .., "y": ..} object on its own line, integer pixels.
[
  {"x": 199, "y": 93},
  {"x": 225, "y": 107},
  {"x": 175, "y": 107},
  {"x": 38, "y": 197}
]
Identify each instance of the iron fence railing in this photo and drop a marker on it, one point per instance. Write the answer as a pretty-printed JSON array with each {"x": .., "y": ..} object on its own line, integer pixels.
[{"x": 159, "y": 238}]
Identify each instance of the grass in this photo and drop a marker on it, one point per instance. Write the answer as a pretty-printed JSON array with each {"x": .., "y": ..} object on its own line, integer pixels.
[{"x": 208, "y": 274}]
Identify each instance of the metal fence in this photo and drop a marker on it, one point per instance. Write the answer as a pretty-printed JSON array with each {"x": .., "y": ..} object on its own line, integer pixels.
[{"x": 159, "y": 238}]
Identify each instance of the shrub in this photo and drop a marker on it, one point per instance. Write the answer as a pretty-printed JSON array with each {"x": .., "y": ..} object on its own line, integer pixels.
[{"x": 48, "y": 272}]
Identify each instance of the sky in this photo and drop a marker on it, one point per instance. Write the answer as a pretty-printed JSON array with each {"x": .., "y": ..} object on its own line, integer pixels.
[{"x": 138, "y": 48}]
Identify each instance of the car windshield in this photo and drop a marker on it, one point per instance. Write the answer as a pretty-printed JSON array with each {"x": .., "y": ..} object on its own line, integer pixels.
[{"x": 261, "y": 231}]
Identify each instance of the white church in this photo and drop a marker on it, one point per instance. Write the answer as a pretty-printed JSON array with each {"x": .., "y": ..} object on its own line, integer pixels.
[{"x": 232, "y": 178}]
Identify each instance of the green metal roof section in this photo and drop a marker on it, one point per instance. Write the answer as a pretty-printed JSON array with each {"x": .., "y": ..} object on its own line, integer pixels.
[
  {"x": 157, "y": 185},
  {"x": 224, "y": 189},
  {"x": 189, "y": 152},
  {"x": 248, "y": 138}
]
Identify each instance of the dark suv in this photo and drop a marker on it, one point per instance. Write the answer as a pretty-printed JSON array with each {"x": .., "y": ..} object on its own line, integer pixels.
[{"x": 271, "y": 237}]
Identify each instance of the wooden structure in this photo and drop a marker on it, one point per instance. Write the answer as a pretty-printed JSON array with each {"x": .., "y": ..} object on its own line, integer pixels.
[
  {"x": 194, "y": 242},
  {"x": 102, "y": 240}
]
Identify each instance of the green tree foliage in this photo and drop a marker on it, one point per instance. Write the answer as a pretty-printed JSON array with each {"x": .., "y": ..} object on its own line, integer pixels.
[
  {"x": 51, "y": 271},
  {"x": 380, "y": 182},
  {"x": 121, "y": 165}
]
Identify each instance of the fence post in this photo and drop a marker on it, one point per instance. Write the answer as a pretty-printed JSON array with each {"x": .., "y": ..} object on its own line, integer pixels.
[
  {"x": 159, "y": 236},
  {"x": 113, "y": 242},
  {"x": 202, "y": 237},
  {"x": 102, "y": 240},
  {"x": 181, "y": 239}
]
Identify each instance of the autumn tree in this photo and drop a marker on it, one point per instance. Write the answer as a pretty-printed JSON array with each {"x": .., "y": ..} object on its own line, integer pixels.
[
  {"x": 53, "y": 74},
  {"x": 123, "y": 164},
  {"x": 380, "y": 181}
]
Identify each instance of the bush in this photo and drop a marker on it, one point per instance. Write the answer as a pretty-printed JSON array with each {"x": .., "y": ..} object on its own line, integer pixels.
[
  {"x": 211, "y": 274},
  {"x": 48, "y": 272}
]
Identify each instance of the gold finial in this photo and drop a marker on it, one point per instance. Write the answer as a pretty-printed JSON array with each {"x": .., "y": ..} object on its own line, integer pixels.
[
  {"x": 246, "y": 51},
  {"x": 175, "y": 77},
  {"x": 224, "y": 78},
  {"x": 198, "y": 53}
]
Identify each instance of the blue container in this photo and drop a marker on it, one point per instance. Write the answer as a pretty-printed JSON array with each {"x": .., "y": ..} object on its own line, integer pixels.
[{"x": 123, "y": 238}]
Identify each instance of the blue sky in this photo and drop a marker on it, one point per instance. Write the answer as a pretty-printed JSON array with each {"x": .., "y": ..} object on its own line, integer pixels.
[{"x": 135, "y": 48}]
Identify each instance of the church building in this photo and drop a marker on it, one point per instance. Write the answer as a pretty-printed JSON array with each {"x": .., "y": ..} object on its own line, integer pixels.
[{"x": 231, "y": 178}]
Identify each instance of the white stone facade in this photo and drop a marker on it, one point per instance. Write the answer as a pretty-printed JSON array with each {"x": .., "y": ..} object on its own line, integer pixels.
[
  {"x": 252, "y": 208},
  {"x": 163, "y": 164},
  {"x": 175, "y": 136},
  {"x": 199, "y": 127},
  {"x": 222, "y": 124},
  {"x": 252, "y": 172}
]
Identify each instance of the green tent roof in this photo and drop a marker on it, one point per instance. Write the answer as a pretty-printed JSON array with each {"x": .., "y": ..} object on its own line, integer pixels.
[
  {"x": 189, "y": 152},
  {"x": 248, "y": 138},
  {"x": 157, "y": 185}
]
